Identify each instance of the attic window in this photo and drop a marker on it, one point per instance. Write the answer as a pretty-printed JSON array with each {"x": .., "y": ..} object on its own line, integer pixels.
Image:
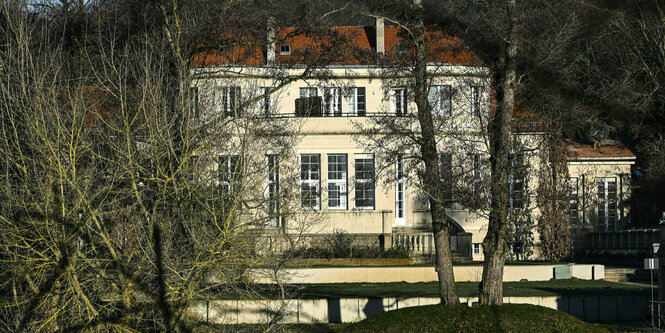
[{"x": 285, "y": 49}]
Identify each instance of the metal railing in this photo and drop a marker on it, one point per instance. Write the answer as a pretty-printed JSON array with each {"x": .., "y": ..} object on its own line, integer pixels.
[
  {"x": 639, "y": 239},
  {"x": 657, "y": 311}
]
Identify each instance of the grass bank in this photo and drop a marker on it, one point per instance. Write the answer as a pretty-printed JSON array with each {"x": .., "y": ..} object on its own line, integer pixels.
[{"x": 438, "y": 318}]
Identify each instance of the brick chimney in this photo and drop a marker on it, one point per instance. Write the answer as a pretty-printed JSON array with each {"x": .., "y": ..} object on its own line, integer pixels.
[{"x": 380, "y": 36}]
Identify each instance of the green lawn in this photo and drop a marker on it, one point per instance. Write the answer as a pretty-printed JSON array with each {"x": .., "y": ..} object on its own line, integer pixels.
[
  {"x": 505, "y": 318},
  {"x": 438, "y": 318},
  {"x": 468, "y": 289},
  {"x": 571, "y": 287}
]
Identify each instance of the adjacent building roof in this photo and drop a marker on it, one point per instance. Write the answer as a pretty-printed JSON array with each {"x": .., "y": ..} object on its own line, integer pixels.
[{"x": 603, "y": 150}]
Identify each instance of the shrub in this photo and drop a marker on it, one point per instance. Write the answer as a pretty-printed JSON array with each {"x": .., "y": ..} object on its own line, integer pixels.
[{"x": 339, "y": 243}]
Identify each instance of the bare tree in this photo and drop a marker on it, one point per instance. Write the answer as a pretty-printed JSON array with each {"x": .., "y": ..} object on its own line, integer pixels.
[{"x": 139, "y": 185}]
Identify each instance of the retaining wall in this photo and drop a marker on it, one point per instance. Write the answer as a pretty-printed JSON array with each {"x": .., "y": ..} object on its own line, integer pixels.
[
  {"x": 470, "y": 273},
  {"x": 348, "y": 310}
]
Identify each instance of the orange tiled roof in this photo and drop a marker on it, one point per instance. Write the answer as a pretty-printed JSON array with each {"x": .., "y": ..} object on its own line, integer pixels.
[
  {"x": 340, "y": 45},
  {"x": 606, "y": 149}
]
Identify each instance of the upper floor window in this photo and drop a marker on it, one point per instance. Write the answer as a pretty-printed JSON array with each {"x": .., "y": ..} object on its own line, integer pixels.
[
  {"x": 446, "y": 174},
  {"x": 356, "y": 101},
  {"x": 440, "y": 100},
  {"x": 228, "y": 101},
  {"x": 266, "y": 102},
  {"x": 399, "y": 103},
  {"x": 309, "y": 104},
  {"x": 364, "y": 181},
  {"x": 476, "y": 178},
  {"x": 337, "y": 198},
  {"x": 285, "y": 49},
  {"x": 310, "y": 181},
  {"x": 476, "y": 94},
  {"x": 194, "y": 102},
  {"x": 517, "y": 182},
  {"x": 332, "y": 102},
  {"x": 308, "y": 92}
]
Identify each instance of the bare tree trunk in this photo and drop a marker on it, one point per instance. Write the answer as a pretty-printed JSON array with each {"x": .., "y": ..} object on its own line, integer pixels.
[
  {"x": 495, "y": 246},
  {"x": 432, "y": 178}
]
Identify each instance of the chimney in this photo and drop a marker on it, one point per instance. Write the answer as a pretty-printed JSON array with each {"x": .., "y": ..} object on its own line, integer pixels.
[
  {"x": 270, "y": 41},
  {"x": 380, "y": 36}
]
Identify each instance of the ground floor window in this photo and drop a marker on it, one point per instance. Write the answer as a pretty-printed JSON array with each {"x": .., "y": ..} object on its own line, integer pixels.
[
  {"x": 364, "y": 181},
  {"x": 310, "y": 181},
  {"x": 272, "y": 190},
  {"x": 477, "y": 248},
  {"x": 607, "y": 204},
  {"x": 337, "y": 175}
]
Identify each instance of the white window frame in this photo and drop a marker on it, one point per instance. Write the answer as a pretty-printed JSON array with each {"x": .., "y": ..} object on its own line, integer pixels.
[
  {"x": 604, "y": 203},
  {"x": 440, "y": 99},
  {"x": 361, "y": 159},
  {"x": 285, "y": 49},
  {"x": 227, "y": 173},
  {"x": 312, "y": 179},
  {"x": 476, "y": 174},
  {"x": 266, "y": 101},
  {"x": 476, "y": 101},
  {"x": 574, "y": 213},
  {"x": 445, "y": 173},
  {"x": 518, "y": 176},
  {"x": 400, "y": 191},
  {"x": 332, "y": 102},
  {"x": 228, "y": 103},
  {"x": 398, "y": 97},
  {"x": 194, "y": 110},
  {"x": 272, "y": 190},
  {"x": 305, "y": 92},
  {"x": 353, "y": 104},
  {"x": 339, "y": 182},
  {"x": 477, "y": 248}
]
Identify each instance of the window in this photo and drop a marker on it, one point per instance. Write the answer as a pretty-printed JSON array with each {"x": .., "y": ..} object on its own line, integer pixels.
[
  {"x": 356, "y": 101},
  {"x": 266, "y": 105},
  {"x": 398, "y": 96},
  {"x": 475, "y": 101},
  {"x": 337, "y": 174},
  {"x": 574, "y": 202},
  {"x": 440, "y": 100},
  {"x": 308, "y": 105},
  {"x": 272, "y": 190},
  {"x": 475, "y": 176},
  {"x": 308, "y": 92},
  {"x": 285, "y": 49},
  {"x": 310, "y": 181},
  {"x": 332, "y": 102},
  {"x": 516, "y": 181},
  {"x": 364, "y": 181},
  {"x": 229, "y": 172},
  {"x": 477, "y": 248},
  {"x": 194, "y": 100},
  {"x": 400, "y": 192},
  {"x": 228, "y": 101},
  {"x": 446, "y": 174},
  {"x": 607, "y": 204}
]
